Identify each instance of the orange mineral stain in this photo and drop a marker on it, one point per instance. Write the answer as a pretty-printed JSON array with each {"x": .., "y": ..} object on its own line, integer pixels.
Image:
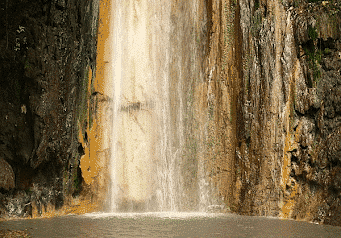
[
  {"x": 291, "y": 143},
  {"x": 91, "y": 162}
]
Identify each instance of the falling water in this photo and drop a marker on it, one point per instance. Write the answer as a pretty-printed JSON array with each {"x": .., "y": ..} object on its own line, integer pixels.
[{"x": 148, "y": 169}]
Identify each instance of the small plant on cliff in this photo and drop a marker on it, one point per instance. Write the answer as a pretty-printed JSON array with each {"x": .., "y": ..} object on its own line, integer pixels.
[
  {"x": 29, "y": 191},
  {"x": 256, "y": 4},
  {"x": 313, "y": 55},
  {"x": 326, "y": 51},
  {"x": 312, "y": 33},
  {"x": 314, "y": 58},
  {"x": 76, "y": 183},
  {"x": 27, "y": 65}
]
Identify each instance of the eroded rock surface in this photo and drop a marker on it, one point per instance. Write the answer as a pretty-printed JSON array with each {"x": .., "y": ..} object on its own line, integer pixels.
[
  {"x": 282, "y": 106},
  {"x": 47, "y": 48},
  {"x": 293, "y": 87},
  {"x": 7, "y": 177}
]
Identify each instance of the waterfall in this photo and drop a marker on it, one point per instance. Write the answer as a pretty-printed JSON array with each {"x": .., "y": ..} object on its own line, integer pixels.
[
  {"x": 117, "y": 32},
  {"x": 148, "y": 169}
]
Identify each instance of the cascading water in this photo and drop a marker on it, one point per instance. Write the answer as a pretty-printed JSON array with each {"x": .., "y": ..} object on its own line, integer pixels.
[
  {"x": 148, "y": 169},
  {"x": 135, "y": 120}
]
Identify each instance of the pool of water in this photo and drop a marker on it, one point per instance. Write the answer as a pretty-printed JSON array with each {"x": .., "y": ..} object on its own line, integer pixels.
[{"x": 168, "y": 225}]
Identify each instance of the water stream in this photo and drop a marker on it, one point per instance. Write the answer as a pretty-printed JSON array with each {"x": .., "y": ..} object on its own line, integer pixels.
[{"x": 148, "y": 169}]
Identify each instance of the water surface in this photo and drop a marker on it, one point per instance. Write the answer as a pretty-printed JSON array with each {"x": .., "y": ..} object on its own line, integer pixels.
[{"x": 168, "y": 225}]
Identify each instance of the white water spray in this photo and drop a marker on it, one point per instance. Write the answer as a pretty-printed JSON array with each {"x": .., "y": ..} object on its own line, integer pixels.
[{"x": 148, "y": 136}]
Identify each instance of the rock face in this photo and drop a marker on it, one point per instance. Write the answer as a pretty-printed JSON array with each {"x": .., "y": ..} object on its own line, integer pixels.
[
  {"x": 6, "y": 175},
  {"x": 272, "y": 91},
  {"x": 288, "y": 148},
  {"x": 47, "y": 49}
]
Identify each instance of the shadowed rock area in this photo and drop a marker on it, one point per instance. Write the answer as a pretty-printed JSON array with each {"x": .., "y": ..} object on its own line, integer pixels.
[{"x": 46, "y": 50}]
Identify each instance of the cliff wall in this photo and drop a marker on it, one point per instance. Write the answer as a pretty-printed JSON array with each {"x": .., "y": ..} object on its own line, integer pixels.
[
  {"x": 48, "y": 56},
  {"x": 278, "y": 62}
]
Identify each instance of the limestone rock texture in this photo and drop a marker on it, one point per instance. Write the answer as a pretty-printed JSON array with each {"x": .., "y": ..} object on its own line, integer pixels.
[
  {"x": 278, "y": 62},
  {"x": 47, "y": 49}
]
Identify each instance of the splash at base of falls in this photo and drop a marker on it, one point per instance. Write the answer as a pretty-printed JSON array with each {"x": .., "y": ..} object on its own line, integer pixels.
[
  {"x": 172, "y": 215},
  {"x": 155, "y": 162}
]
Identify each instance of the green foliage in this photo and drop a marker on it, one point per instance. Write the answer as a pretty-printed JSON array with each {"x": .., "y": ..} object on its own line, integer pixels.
[
  {"x": 314, "y": 58},
  {"x": 65, "y": 175},
  {"x": 326, "y": 51},
  {"x": 28, "y": 191},
  {"x": 314, "y": 55},
  {"x": 27, "y": 65},
  {"x": 256, "y": 4},
  {"x": 312, "y": 33},
  {"x": 76, "y": 182}
]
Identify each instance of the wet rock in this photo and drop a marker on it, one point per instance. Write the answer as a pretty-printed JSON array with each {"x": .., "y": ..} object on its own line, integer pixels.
[
  {"x": 294, "y": 74},
  {"x": 307, "y": 132},
  {"x": 7, "y": 177},
  {"x": 333, "y": 144},
  {"x": 45, "y": 54},
  {"x": 17, "y": 204},
  {"x": 12, "y": 233},
  {"x": 302, "y": 93},
  {"x": 60, "y": 4},
  {"x": 216, "y": 208}
]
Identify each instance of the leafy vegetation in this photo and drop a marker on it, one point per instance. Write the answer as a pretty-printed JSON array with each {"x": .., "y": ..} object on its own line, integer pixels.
[
  {"x": 314, "y": 58},
  {"x": 256, "y": 4},
  {"x": 314, "y": 55},
  {"x": 27, "y": 65},
  {"x": 312, "y": 33},
  {"x": 326, "y": 51},
  {"x": 76, "y": 182}
]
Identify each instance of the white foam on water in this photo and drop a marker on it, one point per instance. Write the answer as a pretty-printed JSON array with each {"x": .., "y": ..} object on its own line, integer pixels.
[{"x": 171, "y": 215}]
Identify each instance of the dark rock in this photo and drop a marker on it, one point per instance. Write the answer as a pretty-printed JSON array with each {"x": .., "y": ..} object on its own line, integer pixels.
[
  {"x": 46, "y": 48},
  {"x": 60, "y": 4},
  {"x": 7, "y": 177}
]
